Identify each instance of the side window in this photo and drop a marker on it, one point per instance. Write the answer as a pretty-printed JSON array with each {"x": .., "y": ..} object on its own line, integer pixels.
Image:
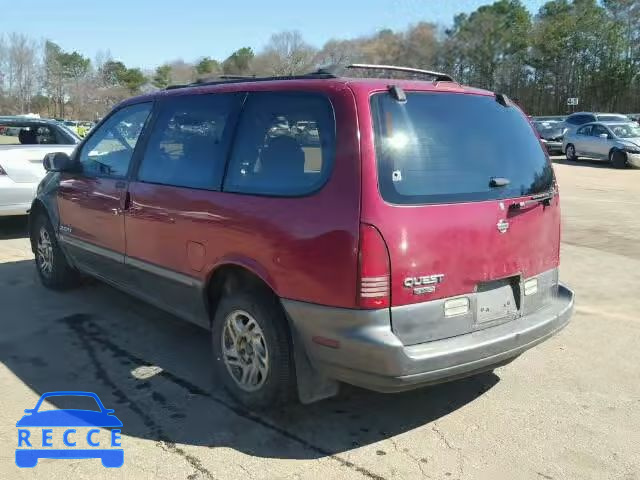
[
  {"x": 285, "y": 145},
  {"x": 599, "y": 130},
  {"x": 188, "y": 144},
  {"x": 109, "y": 150},
  {"x": 45, "y": 135},
  {"x": 574, "y": 120},
  {"x": 13, "y": 134},
  {"x": 585, "y": 130}
]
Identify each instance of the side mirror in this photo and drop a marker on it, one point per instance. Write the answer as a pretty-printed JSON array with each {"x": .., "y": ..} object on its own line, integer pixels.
[
  {"x": 604, "y": 135},
  {"x": 58, "y": 162}
]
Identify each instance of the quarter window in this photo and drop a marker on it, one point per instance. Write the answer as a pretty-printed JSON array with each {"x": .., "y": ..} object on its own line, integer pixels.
[
  {"x": 285, "y": 145},
  {"x": 188, "y": 144},
  {"x": 109, "y": 150}
]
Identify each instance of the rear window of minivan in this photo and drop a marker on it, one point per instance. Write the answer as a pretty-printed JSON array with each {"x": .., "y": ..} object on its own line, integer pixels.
[{"x": 446, "y": 148}]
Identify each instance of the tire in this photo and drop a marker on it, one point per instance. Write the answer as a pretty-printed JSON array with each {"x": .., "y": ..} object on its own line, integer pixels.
[
  {"x": 570, "y": 153},
  {"x": 52, "y": 266},
  {"x": 269, "y": 349},
  {"x": 618, "y": 159}
]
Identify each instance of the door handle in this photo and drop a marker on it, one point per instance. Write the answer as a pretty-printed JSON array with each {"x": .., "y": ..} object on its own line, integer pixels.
[{"x": 120, "y": 184}]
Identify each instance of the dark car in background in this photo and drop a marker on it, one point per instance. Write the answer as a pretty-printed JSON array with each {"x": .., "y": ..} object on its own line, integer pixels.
[
  {"x": 17, "y": 130},
  {"x": 551, "y": 134}
]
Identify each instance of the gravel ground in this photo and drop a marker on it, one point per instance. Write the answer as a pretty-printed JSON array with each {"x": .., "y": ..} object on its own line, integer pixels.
[{"x": 568, "y": 409}]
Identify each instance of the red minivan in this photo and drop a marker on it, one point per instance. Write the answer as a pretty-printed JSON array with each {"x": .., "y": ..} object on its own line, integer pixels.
[{"x": 387, "y": 233}]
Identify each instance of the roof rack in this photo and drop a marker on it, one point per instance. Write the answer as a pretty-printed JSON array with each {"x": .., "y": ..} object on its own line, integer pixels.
[
  {"x": 224, "y": 79},
  {"x": 331, "y": 71},
  {"x": 437, "y": 76}
]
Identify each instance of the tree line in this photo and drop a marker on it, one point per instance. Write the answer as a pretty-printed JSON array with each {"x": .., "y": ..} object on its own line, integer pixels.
[{"x": 588, "y": 49}]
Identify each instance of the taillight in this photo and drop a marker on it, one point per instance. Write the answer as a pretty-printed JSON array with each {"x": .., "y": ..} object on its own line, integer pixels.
[{"x": 374, "y": 271}]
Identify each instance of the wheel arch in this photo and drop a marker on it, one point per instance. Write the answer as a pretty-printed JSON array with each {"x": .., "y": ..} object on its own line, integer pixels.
[
  {"x": 232, "y": 274},
  {"x": 37, "y": 208},
  {"x": 615, "y": 149}
]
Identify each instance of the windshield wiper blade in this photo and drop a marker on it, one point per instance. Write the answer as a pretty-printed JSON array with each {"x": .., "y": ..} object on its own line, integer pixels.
[
  {"x": 496, "y": 182},
  {"x": 544, "y": 198}
]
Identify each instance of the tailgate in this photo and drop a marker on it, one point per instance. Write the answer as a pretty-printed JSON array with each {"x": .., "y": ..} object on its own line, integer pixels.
[{"x": 460, "y": 178}]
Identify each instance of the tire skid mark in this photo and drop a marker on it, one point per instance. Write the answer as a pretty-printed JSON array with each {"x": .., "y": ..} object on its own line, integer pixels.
[
  {"x": 97, "y": 335},
  {"x": 75, "y": 323}
]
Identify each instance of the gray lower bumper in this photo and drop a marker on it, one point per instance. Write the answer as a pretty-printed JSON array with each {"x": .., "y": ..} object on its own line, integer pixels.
[{"x": 371, "y": 356}]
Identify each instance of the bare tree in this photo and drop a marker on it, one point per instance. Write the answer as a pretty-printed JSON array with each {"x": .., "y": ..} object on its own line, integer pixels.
[
  {"x": 286, "y": 53},
  {"x": 3, "y": 57},
  {"x": 22, "y": 62},
  {"x": 182, "y": 72},
  {"x": 340, "y": 52}
]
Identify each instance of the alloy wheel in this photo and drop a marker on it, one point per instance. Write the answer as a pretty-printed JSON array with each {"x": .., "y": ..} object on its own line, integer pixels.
[
  {"x": 244, "y": 350},
  {"x": 45, "y": 252},
  {"x": 571, "y": 153}
]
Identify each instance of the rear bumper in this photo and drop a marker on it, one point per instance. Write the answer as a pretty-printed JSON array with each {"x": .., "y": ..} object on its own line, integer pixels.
[
  {"x": 371, "y": 356},
  {"x": 15, "y": 198}
]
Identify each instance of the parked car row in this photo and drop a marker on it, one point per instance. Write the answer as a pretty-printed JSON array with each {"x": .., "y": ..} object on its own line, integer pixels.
[{"x": 611, "y": 137}]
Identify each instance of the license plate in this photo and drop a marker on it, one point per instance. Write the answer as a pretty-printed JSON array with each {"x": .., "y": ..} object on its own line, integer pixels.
[{"x": 496, "y": 303}]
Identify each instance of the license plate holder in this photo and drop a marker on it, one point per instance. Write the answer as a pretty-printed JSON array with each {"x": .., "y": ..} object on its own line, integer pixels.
[{"x": 496, "y": 301}]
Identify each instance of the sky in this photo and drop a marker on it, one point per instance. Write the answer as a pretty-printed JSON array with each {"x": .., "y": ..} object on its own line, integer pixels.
[{"x": 147, "y": 33}]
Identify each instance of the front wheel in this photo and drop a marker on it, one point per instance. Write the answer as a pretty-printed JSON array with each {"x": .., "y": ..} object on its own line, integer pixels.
[
  {"x": 570, "y": 152},
  {"x": 618, "y": 159},
  {"x": 251, "y": 348},
  {"x": 53, "y": 269}
]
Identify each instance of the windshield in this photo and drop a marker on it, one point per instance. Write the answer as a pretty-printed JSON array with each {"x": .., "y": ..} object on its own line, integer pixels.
[
  {"x": 546, "y": 126},
  {"x": 446, "y": 148},
  {"x": 625, "y": 130},
  {"x": 69, "y": 132}
]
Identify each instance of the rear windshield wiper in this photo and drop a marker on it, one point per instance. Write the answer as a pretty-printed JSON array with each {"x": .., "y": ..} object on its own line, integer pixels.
[{"x": 544, "y": 198}]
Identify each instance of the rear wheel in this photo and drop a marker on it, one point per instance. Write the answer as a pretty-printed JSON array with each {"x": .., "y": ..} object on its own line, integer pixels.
[
  {"x": 252, "y": 354},
  {"x": 618, "y": 159},
  {"x": 53, "y": 269},
  {"x": 570, "y": 152}
]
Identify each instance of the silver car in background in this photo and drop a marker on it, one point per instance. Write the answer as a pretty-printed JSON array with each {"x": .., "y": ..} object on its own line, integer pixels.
[
  {"x": 615, "y": 142},
  {"x": 24, "y": 141}
]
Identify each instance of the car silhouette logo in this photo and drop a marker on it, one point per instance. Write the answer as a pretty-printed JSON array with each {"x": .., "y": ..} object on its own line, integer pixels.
[{"x": 66, "y": 418}]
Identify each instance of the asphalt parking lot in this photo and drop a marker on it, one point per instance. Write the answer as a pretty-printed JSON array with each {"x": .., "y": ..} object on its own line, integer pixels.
[{"x": 568, "y": 409}]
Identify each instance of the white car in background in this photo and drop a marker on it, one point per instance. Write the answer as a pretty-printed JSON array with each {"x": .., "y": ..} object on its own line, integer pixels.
[
  {"x": 23, "y": 144},
  {"x": 615, "y": 142}
]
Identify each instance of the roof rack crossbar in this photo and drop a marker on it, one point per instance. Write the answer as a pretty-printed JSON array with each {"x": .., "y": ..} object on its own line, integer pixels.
[{"x": 438, "y": 76}]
